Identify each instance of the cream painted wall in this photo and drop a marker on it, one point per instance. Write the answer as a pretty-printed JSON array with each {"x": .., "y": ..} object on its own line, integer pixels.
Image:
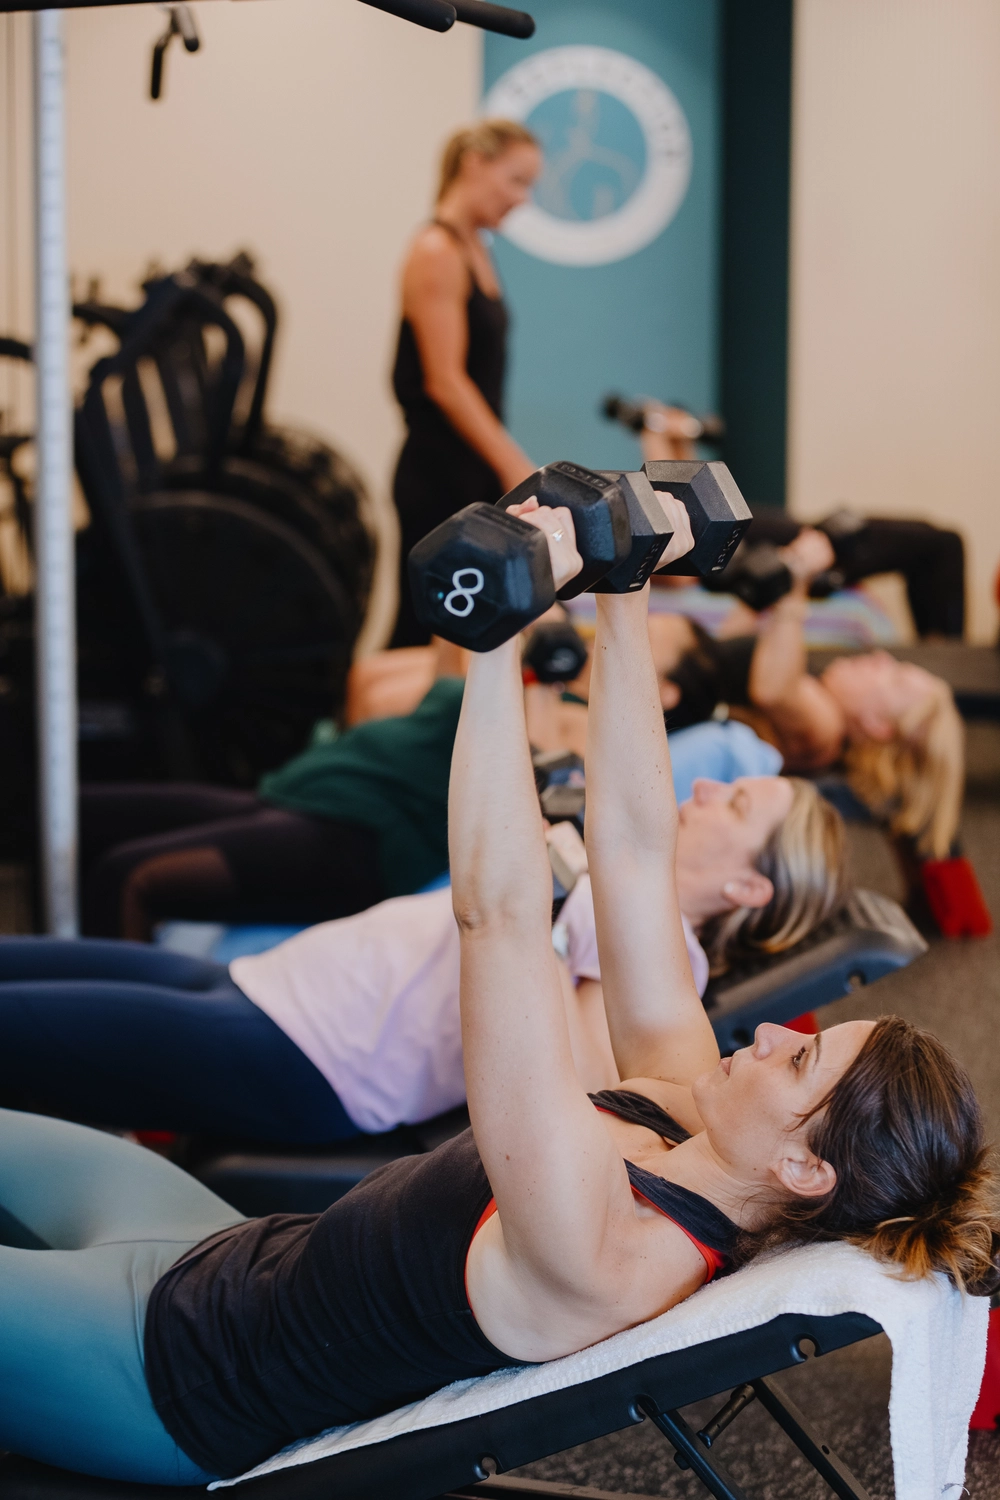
[
  {"x": 306, "y": 131},
  {"x": 895, "y": 301}
]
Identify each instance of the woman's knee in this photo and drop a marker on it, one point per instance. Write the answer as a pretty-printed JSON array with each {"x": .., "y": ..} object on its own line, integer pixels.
[{"x": 183, "y": 882}]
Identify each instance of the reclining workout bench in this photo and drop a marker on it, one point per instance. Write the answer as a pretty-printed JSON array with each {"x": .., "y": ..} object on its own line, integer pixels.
[
  {"x": 465, "y": 1458},
  {"x": 871, "y": 937},
  {"x": 724, "y": 1341}
]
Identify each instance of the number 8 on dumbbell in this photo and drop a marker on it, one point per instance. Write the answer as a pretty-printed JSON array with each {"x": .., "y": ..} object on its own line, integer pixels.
[{"x": 466, "y": 591}]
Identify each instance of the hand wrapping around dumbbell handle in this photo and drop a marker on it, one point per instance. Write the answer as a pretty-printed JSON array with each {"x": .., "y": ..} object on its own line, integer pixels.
[
  {"x": 556, "y": 523},
  {"x": 488, "y": 572}
]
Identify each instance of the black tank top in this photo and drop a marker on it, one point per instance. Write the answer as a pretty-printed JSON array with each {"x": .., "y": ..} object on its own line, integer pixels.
[
  {"x": 283, "y": 1326},
  {"x": 485, "y": 364}
]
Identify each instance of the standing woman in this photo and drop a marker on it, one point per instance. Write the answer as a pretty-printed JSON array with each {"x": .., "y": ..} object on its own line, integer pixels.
[{"x": 450, "y": 361}]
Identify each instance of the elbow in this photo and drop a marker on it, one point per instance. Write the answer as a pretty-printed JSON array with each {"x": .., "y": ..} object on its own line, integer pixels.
[
  {"x": 480, "y": 913},
  {"x": 766, "y": 695},
  {"x": 443, "y": 390}
]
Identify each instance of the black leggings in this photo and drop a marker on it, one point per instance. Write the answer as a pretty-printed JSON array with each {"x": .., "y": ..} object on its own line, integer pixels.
[
  {"x": 212, "y": 854},
  {"x": 931, "y": 560},
  {"x": 126, "y": 1035}
]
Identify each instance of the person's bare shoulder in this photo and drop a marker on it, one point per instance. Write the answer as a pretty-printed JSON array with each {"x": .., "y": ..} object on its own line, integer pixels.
[{"x": 435, "y": 264}]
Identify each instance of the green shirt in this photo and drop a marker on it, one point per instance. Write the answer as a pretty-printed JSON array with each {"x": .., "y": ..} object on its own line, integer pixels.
[{"x": 390, "y": 775}]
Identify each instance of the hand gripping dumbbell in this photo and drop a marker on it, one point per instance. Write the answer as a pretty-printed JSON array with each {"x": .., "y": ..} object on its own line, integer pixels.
[
  {"x": 482, "y": 575},
  {"x": 649, "y": 416}
]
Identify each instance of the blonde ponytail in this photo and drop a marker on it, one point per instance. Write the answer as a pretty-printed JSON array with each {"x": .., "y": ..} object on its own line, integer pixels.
[
  {"x": 805, "y": 860},
  {"x": 915, "y": 780}
]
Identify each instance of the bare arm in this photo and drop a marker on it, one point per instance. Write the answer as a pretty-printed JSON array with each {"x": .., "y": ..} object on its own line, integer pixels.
[
  {"x": 657, "y": 1022},
  {"x": 807, "y": 719},
  {"x": 435, "y": 293},
  {"x": 550, "y": 1161}
]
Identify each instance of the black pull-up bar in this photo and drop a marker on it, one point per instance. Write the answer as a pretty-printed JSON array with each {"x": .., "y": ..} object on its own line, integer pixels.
[{"x": 436, "y": 15}]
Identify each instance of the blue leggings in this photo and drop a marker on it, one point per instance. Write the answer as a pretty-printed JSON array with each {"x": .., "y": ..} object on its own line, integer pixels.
[
  {"x": 130, "y": 1036},
  {"x": 88, "y": 1225}
]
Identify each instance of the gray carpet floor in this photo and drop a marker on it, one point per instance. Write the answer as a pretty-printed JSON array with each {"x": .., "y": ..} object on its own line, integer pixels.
[{"x": 954, "y": 990}]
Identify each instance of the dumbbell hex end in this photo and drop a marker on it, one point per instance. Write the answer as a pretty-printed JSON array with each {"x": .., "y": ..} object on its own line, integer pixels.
[{"x": 480, "y": 577}]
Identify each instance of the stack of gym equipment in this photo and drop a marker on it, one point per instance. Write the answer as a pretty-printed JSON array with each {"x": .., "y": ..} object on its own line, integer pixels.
[{"x": 224, "y": 574}]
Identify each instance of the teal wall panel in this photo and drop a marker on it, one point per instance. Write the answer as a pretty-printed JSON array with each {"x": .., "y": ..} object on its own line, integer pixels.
[{"x": 647, "y": 322}]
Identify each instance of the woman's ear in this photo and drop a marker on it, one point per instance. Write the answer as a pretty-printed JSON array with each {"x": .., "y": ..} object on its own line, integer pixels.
[
  {"x": 805, "y": 1174},
  {"x": 749, "y": 889},
  {"x": 670, "y": 694}
]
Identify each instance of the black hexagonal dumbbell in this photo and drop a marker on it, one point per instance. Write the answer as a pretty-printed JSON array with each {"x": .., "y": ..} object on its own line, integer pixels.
[
  {"x": 482, "y": 575},
  {"x": 718, "y": 513},
  {"x": 651, "y": 531}
]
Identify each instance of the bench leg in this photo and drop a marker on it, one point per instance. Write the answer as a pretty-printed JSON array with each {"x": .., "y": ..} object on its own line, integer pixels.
[
  {"x": 822, "y": 1457},
  {"x": 693, "y": 1450}
]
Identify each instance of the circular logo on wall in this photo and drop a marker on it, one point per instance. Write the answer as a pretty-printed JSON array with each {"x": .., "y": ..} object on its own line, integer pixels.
[{"x": 617, "y": 153}]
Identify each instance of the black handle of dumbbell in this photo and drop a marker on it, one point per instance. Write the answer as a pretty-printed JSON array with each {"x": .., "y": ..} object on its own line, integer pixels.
[
  {"x": 498, "y": 18},
  {"x": 435, "y": 15}
]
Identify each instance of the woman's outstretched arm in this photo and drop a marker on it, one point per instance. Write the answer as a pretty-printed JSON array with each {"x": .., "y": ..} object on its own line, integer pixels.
[
  {"x": 559, "y": 1185},
  {"x": 808, "y": 722},
  {"x": 657, "y": 1022}
]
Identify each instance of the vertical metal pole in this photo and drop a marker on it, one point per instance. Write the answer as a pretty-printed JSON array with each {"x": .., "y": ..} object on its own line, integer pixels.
[{"x": 55, "y": 623}]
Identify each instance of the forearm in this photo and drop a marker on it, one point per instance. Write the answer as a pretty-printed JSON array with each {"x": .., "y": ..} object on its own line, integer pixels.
[
  {"x": 468, "y": 411},
  {"x": 779, "y": 657},
  {"x": 630, "y": 801},
  {"x": 499, "y": 864},
  {"x": 656, "y": 1021},
  {"x": 528, "y": 1109}
]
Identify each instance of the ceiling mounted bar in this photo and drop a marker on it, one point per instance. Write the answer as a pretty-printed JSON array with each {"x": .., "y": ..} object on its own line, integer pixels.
[
  {"x": 499, "y": 18},
  {"x": 55, "y": 594},
  {"x": 435, "y": 15}
]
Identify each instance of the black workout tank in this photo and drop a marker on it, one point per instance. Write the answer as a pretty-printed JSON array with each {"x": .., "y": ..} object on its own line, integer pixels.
[
  {"x": 438, "y": 473},
  {"x": 283, "y": 1326}
]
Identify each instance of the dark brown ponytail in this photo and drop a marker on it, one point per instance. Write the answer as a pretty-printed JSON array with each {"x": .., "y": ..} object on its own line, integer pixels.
[{"x": 903, "y": 1131}]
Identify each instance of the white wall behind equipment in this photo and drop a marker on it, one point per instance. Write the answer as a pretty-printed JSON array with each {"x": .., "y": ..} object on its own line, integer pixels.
[
  {"x": 305, "y": 131},
  {"x": 895, "y": 297}
]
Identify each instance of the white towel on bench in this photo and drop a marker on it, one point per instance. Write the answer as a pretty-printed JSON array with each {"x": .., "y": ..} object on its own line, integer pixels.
[{"x": 938, "y": 1353}]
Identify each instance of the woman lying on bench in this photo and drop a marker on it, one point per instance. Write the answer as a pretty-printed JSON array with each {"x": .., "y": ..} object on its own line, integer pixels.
[
  {"x": 556, "y": 1222},
  {"x": 892, "y": 726},
  {"x": 356, "y": 817},
  {"x": 353, "y": 1025}
]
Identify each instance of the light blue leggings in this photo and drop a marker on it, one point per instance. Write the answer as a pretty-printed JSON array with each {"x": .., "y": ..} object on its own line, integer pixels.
[{"x": 88, "y": 1225}]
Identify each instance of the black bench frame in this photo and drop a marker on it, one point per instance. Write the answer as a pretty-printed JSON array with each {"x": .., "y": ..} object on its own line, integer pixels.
[{"x": 467, "y": 1458}]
